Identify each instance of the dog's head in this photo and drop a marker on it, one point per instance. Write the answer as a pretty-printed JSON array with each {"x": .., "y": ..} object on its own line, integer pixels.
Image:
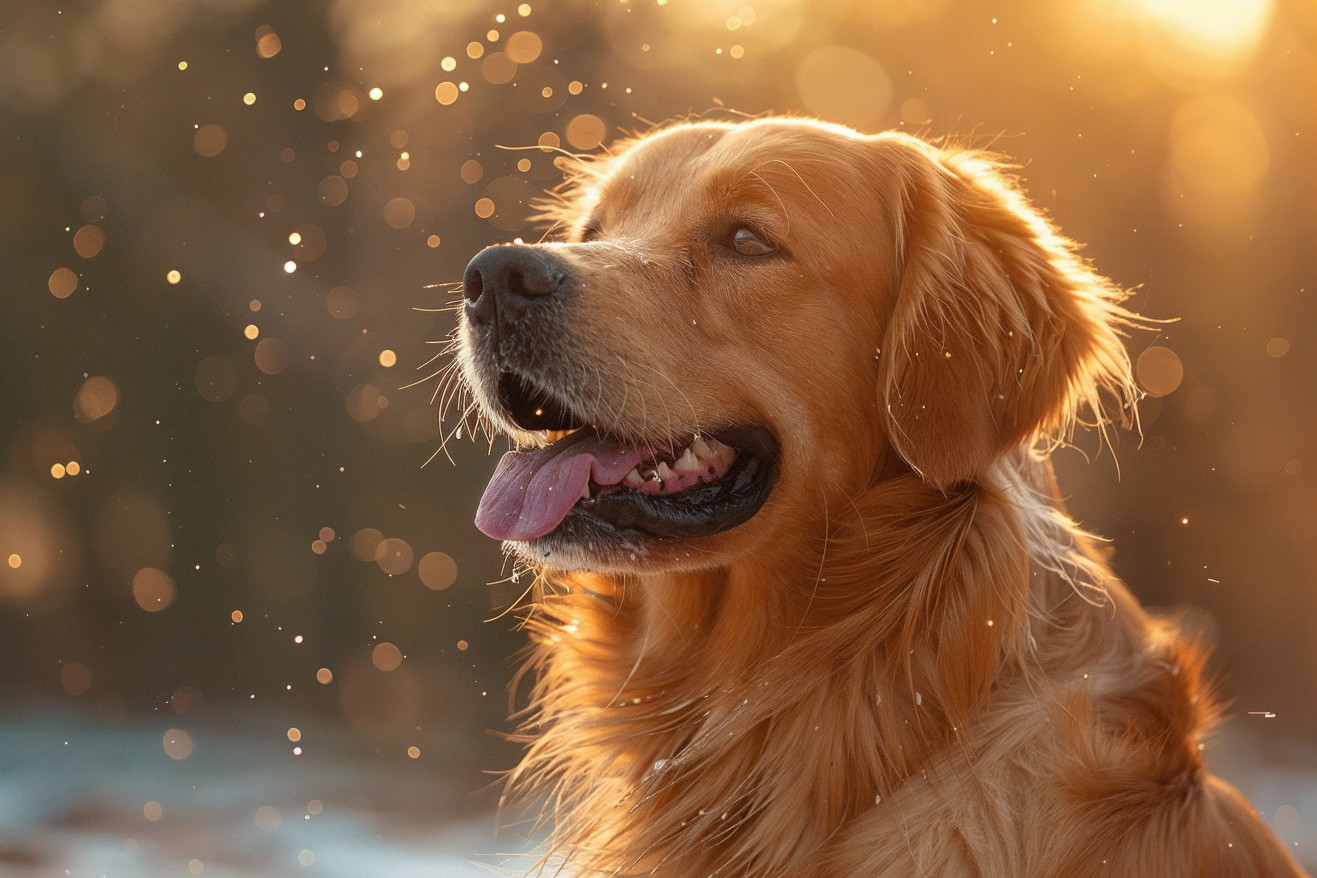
[{"x": 748, "y": 320}]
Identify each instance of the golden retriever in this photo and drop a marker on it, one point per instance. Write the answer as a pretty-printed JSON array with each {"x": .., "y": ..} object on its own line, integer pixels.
[{"x": 808, "y": 604}]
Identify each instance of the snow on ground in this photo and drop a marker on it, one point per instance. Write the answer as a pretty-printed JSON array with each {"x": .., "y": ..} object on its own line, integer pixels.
[{"x": 81, "y": 797}]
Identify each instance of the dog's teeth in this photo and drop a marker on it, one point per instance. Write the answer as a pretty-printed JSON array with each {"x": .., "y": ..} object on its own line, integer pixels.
[
  {"x": 664, "y": 472},
  {"x": 701, "y": 448},
  {"x": 585, "y": 491},
  {"x": 687, "y": 463},
  {"x": 633, "y": 479}
]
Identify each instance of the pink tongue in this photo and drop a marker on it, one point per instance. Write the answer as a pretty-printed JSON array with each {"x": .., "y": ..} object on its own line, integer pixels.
[{"x": 531, "y": 492}]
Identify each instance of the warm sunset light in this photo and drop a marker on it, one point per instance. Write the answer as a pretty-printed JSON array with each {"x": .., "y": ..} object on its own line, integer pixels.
[{"x": 250, "y": 622}]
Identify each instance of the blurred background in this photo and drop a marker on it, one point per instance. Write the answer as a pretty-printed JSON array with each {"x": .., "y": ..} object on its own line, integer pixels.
[{"x": 246, "y": 625}]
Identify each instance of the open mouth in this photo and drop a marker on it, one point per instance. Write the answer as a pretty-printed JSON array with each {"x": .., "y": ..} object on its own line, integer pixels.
[{"x": 594, "y": 486}]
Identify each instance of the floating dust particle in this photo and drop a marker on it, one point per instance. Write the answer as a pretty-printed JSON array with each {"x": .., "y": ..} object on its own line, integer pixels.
[
  {"x": 414, "y": 752},
  {"x": 437, "y": 570},
  {"x": 271, "y": 356},
  {"x": 462, "y": 645},
  {"x": 498, "y": 69},
  {"x": 210, "y": 140},
  {"x": 375, "y": 94},
  {"x": 484, "y": 208},
  {"x": 324, "y": 676},
  {"x": 88, "y": 241},
  {"x": 394, "y": 556},
  {"x": 251, "y": 331},
  {"x": 386, "y": 656},
  {"x": 319, "y": 547},
  {"x": 332, "y": 190},
  {"x": 432, "y": 241},
  {"x": 471, "y": 171},
  {"x": 448, "y": 64},
  {"x": 75, "y": 678},
  {"x": 153, "y": 589},
  {"x": 294, "y": 734},
  {"x": 177, "y": 744},
  {"x": 445, "y": 93},
  {"x": 1159, "y": 370},
  {"x": 254, "y": 408},
  {"x": 15, "y": 561},
  {"x": 153, "y": 811},
  {"x": 388, "y": 359},
  {"x": 236, "y": 616},
  {"x": 399, "y": 212},
  {"x": 57, "y": 471},
  {"x": 268, "y": 43},
  {"x": 341, "y": 302},
  {"x": 249, "y": 98},
  {"x": 62, "y": 283},
  {"x": 95, "y": 399},
  {"x": 327, "y": 534},
  {"x": 364, "y": 543},
  {"x": 524, "y": 46},
  {"x": 585, "y": 131},
  {"x": 215, "y": 379},
  {"x": 474, "y": 50},
  {"x": 173, "y": 276},
  {"x": 268, "y": 818}
]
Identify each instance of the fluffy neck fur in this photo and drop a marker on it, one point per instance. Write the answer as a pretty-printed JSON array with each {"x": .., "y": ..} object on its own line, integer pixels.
[{"x": 718, "y": 723}]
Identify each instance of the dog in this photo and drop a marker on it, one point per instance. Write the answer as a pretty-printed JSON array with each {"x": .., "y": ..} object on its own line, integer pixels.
[{"x": 807, "y": 603}]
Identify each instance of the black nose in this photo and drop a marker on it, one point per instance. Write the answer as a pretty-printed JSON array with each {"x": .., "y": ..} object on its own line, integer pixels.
[{"x": 509, "y": 279}]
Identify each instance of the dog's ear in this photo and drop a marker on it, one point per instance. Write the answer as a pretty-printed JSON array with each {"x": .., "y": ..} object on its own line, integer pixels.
[{"x": 999, "y": 334}]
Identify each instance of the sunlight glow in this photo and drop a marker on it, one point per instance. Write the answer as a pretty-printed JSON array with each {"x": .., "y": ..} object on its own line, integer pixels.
[{"x": 1224, "y": 30}]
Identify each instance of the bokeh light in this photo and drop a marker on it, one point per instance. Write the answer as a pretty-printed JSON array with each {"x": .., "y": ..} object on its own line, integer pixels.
[
  {"x": 210, "y": 140},
  {"x": 95, "y": 399},
  {"x": 252, "y": 220},
  {"x": 178, "y": 744},
  {"x": 1159, "y": 370},
  {"x": 215, "y": 378},
  {"x": 153, "y": 589},
  {"x": 437, "y": 570},
  {"x": 62, "y": 283}
]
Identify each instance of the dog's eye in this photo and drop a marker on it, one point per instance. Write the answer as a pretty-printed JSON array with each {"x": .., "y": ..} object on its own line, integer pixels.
[{"x": 747, "y": 243}]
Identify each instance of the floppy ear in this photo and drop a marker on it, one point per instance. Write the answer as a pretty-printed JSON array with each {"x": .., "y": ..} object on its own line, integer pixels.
[{"x": 999, "y": 333}]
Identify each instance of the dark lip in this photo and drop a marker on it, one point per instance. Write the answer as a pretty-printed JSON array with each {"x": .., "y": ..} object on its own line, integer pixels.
[{"x": 628, "y": 520}]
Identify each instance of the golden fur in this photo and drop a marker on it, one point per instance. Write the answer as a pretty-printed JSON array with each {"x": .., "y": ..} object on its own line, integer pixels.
[{"x": 910, "y": 661}]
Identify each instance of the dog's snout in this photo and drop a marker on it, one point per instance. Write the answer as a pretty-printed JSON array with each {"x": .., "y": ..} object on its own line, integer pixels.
[{"x": 511, "y": 278}]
